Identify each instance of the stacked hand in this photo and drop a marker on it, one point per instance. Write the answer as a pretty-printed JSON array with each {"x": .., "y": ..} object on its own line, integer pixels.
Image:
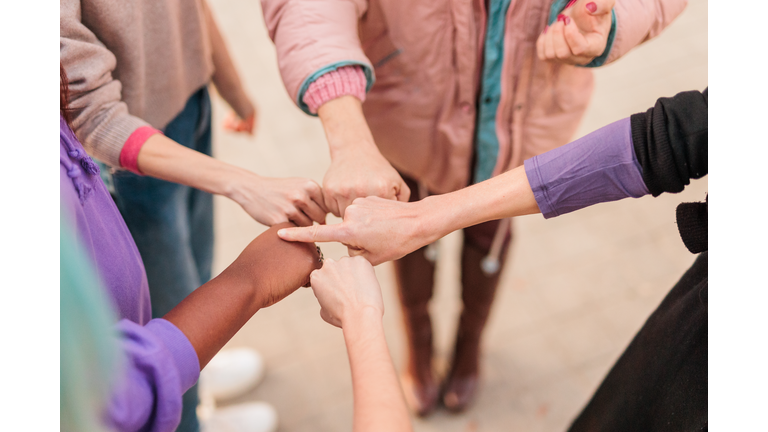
[
  {"x": 580, "y": 33},
  {"x": 345, "y": 289},
  {"x": 272, "y": 201}
]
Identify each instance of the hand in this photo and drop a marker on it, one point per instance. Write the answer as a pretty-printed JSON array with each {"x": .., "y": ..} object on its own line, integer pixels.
[
  {"x": 345, "y": 289},
  {"x": 275, "y": 268},
  {"x": 580, "y": 33},
  {"x": 357, "y": 167},
  {"x": 359, "y": 173},
  {"x": 377, "y": 229},
  {"x": 235, "y": 124},
  {"x": 272, "y": 201}
]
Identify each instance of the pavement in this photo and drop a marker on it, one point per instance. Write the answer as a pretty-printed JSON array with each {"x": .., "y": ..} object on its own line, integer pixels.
[{"x": 576, "y": 291}]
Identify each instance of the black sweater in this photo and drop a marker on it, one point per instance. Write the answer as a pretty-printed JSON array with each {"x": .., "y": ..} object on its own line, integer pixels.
[{"x": 670, "y": 142}]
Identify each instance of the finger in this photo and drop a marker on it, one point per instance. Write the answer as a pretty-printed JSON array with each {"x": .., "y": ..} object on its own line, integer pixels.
[
  {"x": 353, "y": 251},
  {"x": 561, "y": 48},
  {"x": 299, "y": 218},
  {"x": 549, "y": 47},
  {"x": 404, "y": 194},
  {"x": 311, "y": 209},
  {"x": 540, "y": 44},
  {"x": 343, "y": 204},
  {"x": 330, "y": 203},
  {"x": 576, "y": 41},
  {"x": 316, "y": 194},
  {"x": 599, "y": 7},
  {"x": 314, "y": 233}
]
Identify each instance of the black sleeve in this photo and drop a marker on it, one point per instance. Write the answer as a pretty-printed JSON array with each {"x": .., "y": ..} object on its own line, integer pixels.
[{"x": 670, "y": 141}]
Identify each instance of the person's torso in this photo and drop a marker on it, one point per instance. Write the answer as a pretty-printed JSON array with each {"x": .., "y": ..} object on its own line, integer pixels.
[
  {"x": 102, "y": 231},
  {"x": 428, "y": 60},
  {"x": 162, "y": 48}
]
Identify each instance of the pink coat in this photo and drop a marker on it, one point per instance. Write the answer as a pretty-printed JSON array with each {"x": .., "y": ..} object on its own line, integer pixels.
[{"x": 427, "y": 59}]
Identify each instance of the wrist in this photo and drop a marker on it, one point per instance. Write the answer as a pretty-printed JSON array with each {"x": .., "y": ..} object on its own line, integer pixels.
[
  {"x": 434, "y": 219},
  {"x": 361, "y": 317},
  {"x": 234, "y": 181},
  {"x": 345, "y": 126}
]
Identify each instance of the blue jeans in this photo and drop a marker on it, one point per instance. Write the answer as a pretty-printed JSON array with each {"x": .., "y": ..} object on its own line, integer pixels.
[{"x": 172, "y": 225}]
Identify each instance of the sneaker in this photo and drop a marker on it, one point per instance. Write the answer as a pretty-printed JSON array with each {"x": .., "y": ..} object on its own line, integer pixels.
[
  {"x": 246, "y": 417},
  {"x": 231, "y": 373}
]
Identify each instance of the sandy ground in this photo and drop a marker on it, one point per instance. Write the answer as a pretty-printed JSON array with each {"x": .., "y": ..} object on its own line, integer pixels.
[{"x": 576, "y": 291}]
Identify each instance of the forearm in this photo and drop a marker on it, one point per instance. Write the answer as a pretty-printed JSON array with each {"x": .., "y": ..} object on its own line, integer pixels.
[
  {"x": 506, "y": 195},
  {"x": 345, "y": 125},
  {"x": 378, "y": 399},
  {"x": 163, "y": 158},
  {"x": 213, "y": 313}
]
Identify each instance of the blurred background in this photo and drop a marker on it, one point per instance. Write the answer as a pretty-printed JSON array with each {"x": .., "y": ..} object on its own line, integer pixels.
[{"x": 578, "y": 288}]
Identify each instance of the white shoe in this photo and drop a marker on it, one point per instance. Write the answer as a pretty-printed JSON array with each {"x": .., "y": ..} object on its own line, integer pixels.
[
  {"x": 231, "y": 373},
  {"x": 246, "y": 417}
]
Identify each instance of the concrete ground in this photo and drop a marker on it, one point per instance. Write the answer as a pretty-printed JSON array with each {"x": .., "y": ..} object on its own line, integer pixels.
[{"x": 577, "y": 289}]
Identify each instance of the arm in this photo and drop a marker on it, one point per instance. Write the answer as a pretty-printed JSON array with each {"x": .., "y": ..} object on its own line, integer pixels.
[
  {"x": 328, "y": 31},
  {"x": 108, "y": 132},
  {"x": 670, "y": 146},
  {"x": 267, "y": 270},
  {"x": 227, "y": 80},
  {"x": 350, "y": 298}
]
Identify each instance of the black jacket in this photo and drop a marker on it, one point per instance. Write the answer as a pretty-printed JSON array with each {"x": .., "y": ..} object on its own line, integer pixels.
[{"x": 670, "y": 142}]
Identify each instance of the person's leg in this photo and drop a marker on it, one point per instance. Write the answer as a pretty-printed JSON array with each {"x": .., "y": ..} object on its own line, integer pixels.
[
  {"x": 167, "y": 235},
  {"x": 201, "y": 203},
  {"x": 478, "y": 290},
  {"x": 415, "y": 279},
  {"x": 660, "y": 382}
]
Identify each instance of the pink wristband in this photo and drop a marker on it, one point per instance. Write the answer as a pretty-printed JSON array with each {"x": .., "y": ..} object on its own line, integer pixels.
[
  {"x": 347, "y": 80},
  {"x": 129, "y": 155}
]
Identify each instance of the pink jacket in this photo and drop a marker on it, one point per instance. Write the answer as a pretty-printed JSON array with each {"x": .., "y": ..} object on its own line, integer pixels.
[{"x": 427, "y": 59}]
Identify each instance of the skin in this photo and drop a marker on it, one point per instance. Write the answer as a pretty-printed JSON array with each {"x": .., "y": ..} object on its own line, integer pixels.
[
  {"x": 357, "y": 167},
  {"x": 350, "y": 298},
  {"x": 246, "y": 125},
  {"x": 383, "y": 230},
  {"x": 267, "y": 271},
  {"x": 580, "y": 36},
  {"x": 269, "y": 201}
]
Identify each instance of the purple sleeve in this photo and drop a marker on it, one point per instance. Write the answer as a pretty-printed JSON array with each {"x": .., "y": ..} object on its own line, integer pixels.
[
  {"x": 161, "y": 365},
  {"x": 598, "y": 167}
]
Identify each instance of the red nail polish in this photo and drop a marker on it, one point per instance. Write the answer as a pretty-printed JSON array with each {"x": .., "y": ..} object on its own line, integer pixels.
[
  {"x": 567, "y": 20},
  {"x": 570, "y": 3},
  {"x": 561, "y": 17},
  {"x": 591, "y": 7},
  {"x": 545, "y": 29}
]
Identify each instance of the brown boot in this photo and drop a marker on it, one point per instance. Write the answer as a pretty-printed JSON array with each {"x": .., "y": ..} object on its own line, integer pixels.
[
  {"x": 478, "y": 289},
  {"x": 415, "y": 277}
]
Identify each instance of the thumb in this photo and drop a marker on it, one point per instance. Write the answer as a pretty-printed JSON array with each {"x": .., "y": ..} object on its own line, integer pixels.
[
  {"x": 599, "y": 7},
  {"x": 314, "y": 233}
]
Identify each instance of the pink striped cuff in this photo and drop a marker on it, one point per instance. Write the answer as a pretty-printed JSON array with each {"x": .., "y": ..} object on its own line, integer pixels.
[
  {"x": 347, "y": 80},
  {"x": 129, "y": 155}
]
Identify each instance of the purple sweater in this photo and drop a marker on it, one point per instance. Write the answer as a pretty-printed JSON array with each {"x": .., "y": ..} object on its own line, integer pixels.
[
  {"x": 598, "y": 167},
  {"x": 160, "y": 363}
]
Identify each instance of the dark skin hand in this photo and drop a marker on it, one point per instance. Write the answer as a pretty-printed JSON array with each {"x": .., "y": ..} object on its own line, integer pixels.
[{"x": 267, "y": 271}]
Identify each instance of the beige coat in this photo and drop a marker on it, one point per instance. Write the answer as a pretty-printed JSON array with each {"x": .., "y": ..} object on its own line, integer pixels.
[{"x": 427, "y": 59}]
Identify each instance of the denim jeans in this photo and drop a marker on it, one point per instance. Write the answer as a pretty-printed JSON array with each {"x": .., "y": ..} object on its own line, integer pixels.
[{"x": 172, "y": 225}]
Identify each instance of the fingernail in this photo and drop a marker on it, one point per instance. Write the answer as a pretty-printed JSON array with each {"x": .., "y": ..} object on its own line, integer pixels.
[
  {"x": 561, "y": 17},
  {"x": 545, "y": 29},
  {"x": 591, "y": 7},
  {"x": 280, "y": 232},
  {"x": 567, "y": 20},
  {"x": 570, "y": 3}
]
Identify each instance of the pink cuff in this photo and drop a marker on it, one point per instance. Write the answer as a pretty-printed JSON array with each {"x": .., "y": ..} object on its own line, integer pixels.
[
  {"x": 347, "y": 80},
  {"x": 129, "y": 155}
]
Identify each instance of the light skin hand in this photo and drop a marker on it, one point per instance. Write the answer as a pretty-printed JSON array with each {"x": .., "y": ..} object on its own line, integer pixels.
[
  {"x": 580, "y": 33},
  {"x": 381, "y": 230},
  {"x": 234, "y": 123},
  {"x": 345, "y": 289},
  {"x": 357, "y": 167},
  {"x": 268, "y": 200},
  {"x": 350, "y": 297}
]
